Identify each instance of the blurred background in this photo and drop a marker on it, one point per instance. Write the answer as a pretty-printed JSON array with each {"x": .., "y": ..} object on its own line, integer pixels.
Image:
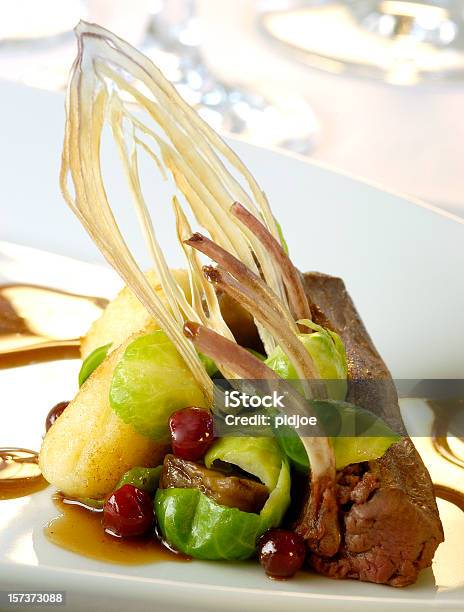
[{"x": 374, "y": 88}]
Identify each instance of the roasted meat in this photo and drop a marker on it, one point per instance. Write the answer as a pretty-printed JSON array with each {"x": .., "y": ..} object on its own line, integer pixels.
[
  {"x": 228, "y": 490},
  {"x": 389, "y": 519},
  {"x": 390, "y": 525}
]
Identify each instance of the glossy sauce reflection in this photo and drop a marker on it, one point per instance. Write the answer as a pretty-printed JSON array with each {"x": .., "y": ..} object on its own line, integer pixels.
[
  {"x": 444, "y": 414},
  {"x": 449, "y": 494},
  {"x": 43, "y": 324},
  {"x": 19, "y": 473},
  {"x": 79, "y": 529}
]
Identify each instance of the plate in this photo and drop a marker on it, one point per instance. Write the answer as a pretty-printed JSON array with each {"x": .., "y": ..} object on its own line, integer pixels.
[{"x": 402, "y": 263}]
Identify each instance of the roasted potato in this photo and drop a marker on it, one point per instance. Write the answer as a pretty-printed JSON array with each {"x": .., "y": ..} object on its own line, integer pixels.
[
  {"x": 125, "y": 315},
  {"x": 89, "y": 447}
]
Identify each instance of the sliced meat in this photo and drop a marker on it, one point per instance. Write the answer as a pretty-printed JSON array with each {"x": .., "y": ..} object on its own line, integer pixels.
[
  {"x": 364, "y": 488},
  {"x": 318, "y": 525},
  {"x": 388, "y": 513},
  {"x": 390, "y": 524},
  {"x": 233, "y": 491}
]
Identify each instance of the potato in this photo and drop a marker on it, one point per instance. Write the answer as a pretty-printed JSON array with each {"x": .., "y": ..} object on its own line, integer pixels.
[
  {"x": 125, "y": 315},
  {"x": 89, "y": 447}
]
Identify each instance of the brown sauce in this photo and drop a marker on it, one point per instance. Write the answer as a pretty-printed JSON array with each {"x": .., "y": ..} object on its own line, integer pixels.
[
  {"x": 79, "y": 529},
  {"x": 43, "y": 324},
  {"x": 449, "y": 494},
  {"x": 444, "y": 413},
  {"x": 19, "y": 473},
  {"x": 442, "y": 447}
]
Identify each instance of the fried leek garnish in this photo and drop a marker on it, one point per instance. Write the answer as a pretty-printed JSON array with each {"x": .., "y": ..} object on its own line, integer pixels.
[{"x": 107, "y": 78}]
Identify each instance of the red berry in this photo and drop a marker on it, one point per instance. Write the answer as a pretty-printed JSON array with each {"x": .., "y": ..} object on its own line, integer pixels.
[
  {"x": 281, "y": 553},
  {"x": 191, "y": 432},
  {"x": 128, "y": 512},
  {"x": 54, "y": 413}
]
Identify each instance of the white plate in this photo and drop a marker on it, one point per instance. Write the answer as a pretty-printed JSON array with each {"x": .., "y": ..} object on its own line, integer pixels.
[{"x": 403, "y": 265}]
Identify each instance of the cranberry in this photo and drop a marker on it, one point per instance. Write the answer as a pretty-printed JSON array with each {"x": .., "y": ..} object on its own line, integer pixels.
[
  {"x": 128, "y": 512},
  {"x": 281, "y": 553},
  {"x": 191, "y": 432},
  {"x": 54, "y": 413}
]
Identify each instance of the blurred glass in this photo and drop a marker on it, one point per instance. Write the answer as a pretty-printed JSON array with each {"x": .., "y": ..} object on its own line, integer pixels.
[
  {"x": 401, "y": 41},
  {"x": 37, "y": 47},
  {"x": 37, "y": 43},
  {"x": 30, "y": 20},
  {"x": 174, "y": 40}
]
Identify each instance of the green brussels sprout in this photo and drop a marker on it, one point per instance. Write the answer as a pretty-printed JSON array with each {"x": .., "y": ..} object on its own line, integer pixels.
[
  {"x": 292, "y": 446},
  {"x": 96, "y": 504},
  {"x": 143, "y": 478},
  {"x": 150, "y": 382},
  {"x": 210, "y": 366},
  {"x": 257, "y": 456},
  {"x": 198, "y": 526},
  {"x": 357, "y": 435},
  {"x": 363, "y": 437},
  {"x": 92, "y": 361},
  {"x": 257, "y": 354},
  {"x": 328, "y": 353}
]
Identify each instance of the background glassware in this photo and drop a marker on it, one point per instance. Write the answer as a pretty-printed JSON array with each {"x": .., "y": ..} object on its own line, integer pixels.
[
  {"x": 401, "y": 41},
  {"x": 37, "y": 42},
  {"x": 37, "y": 47},
  {"x": 173, "y": 41}
]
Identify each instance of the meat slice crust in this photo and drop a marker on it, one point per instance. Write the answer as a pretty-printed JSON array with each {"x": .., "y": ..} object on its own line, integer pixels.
[{"x": 388, "y": 513}]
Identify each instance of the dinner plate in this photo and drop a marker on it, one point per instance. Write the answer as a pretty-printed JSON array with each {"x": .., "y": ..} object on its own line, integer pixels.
[{"x": 402, "y": 263}]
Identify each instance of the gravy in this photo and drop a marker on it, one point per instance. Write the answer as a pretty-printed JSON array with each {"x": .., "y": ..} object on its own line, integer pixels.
[
  {"x": 79, "y": 529},
  {"x": 19, "y": 473}
]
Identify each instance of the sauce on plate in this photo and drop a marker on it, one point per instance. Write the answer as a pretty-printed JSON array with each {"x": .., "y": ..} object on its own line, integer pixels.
[
  {"x": 42, "y": 324},
  {"x": 19, "y": 473},
  {"x": 79, "y": 529},
  {"x": 444, "y": 414}
]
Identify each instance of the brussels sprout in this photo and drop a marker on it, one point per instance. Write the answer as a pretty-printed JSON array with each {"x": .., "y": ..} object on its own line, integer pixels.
[
  {"x": 367, "y": 436},
  {"x": 96, "y": 504},
  {"x": 262, "y": 458},
  {"x": 278, "y": 501},
  {"x": 143, "y": 478},
  {"x": 92, "y": 361},
  {"x": 292, "y": 446},
  {"x": 257, "y": 456},
  {"x": 356, "y": 434},
  {"x": 210, "y": 366},
  {"x": 198, "y": 526},
  {"x": 257, "y": 354},
  {"x": 328, "y": 353},
  {"x": 150, "y": 383}
]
